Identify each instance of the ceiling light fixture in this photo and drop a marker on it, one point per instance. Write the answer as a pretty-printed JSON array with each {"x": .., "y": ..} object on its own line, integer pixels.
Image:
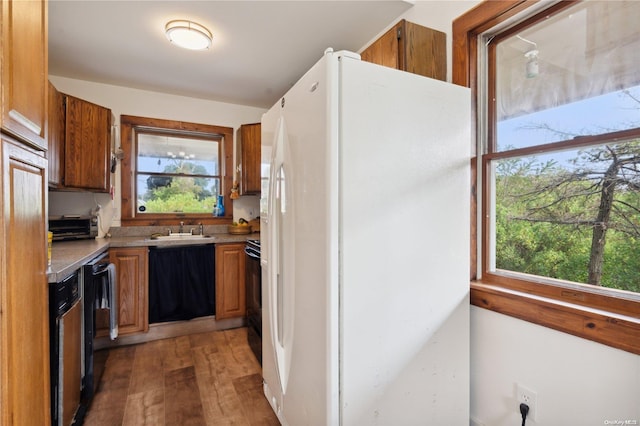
[{"x": 188, "y": 34}]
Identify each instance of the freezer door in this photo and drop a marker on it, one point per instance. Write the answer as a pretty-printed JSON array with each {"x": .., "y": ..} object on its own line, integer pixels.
[{"x": 300, "y": 282}]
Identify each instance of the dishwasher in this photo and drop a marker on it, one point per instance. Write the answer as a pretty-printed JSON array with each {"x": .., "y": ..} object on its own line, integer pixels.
[
  {"x": 100, "y": 295},
  {"x": 253, "y": 281},
  {"x": 65, "y": 336}
]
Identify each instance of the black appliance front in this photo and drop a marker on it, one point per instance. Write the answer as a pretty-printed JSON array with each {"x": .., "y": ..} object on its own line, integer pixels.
[
  {"x": 63, "y": 296},
  {"x": 181, "y": 282},
  {"x": 253, "y": 282},
  {"x": 100, "y": 293}
]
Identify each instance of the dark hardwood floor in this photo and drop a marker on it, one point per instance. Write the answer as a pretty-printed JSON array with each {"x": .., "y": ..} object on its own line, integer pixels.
[{"x": 202, "y": 379}]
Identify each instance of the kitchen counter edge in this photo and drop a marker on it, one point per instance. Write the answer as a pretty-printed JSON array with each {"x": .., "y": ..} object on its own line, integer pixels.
[{"x": 68, "y": 256}]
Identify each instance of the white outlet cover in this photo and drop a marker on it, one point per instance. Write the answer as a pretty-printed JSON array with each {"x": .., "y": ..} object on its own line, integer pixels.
[{"x": 529, "y": 397}]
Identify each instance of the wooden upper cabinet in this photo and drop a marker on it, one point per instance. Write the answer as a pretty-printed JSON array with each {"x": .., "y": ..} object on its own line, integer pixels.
[
  {"x": 411, "y": 47},
  {"x": 24, "y": 71},
  {"x": 55, "y": 137},
  {"x": 87, "y": 145},
  {"x": 249, "y": 147}
]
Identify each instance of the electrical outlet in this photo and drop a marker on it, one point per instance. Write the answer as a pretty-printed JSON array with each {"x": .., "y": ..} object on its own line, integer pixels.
[{"x": 529, "y": 397}]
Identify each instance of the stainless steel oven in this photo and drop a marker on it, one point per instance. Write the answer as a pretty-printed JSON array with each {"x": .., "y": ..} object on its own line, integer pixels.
[{"x": 253, "y": 280}]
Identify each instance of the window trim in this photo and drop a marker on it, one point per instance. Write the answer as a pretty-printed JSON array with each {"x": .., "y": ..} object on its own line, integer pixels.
[
  {"x": 128, "y": 202},
  {"x": 612, "y": 321}
]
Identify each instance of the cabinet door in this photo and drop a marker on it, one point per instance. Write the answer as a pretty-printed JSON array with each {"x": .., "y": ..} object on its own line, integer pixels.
[
  {"x": 24, "y": 295},
  {"x": 384, "y": 51},
  {"x": 55, "y": 136},
  {"x": 250, "y": 136},
  {"x": 24, "y": 71},
  {"x": 87, "y": 145},
  {"x": 131, "y": 271},
  {"x": 230, "y": 285},
  {"x": 424, "y": 51},
  {"x": 410, "y": 47}
]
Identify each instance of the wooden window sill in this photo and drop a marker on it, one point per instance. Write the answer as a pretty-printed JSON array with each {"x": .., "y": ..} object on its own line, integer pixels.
[{"x": 615, "y": 330}]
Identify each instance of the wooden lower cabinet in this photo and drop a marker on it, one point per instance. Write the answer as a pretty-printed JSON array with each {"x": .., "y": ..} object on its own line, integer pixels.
[
  {"x": 230, "y": 285},
  {"x": 24, "y": 293},
  {"x": 133, "y": 289},
  {"x": 132, "y": 275}
]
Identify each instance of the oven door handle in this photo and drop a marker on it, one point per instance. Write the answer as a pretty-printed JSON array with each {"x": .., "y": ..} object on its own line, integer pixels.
[
  {"x": 251, "y": 253},
  {"x": 100, "y": 269}
]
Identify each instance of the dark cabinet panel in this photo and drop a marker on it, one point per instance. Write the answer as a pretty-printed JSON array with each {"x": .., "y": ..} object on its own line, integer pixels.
[{"x": 181, "y": 283}]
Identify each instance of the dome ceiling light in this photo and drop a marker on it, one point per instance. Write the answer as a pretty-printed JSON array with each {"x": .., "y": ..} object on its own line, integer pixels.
[{"x": 188, "y": 34}]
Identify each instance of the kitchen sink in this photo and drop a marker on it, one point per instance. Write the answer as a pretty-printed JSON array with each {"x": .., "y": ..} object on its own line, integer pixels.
[{"x": 179, "y": 237}]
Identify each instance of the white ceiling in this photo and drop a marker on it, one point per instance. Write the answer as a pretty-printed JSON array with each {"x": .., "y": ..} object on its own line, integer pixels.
[{"x": 260, "y": 48}]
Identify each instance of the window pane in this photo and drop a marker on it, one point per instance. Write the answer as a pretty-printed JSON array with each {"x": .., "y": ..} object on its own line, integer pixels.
[
  {"x": 614, "y": 111},
  {"x": 176, "y": 174},
  {"x": 174, "y": 154},
  {"x": 568, "y": 75},
  {"x": 176, "y": 194},
  {"x": 571, "y": 215}
]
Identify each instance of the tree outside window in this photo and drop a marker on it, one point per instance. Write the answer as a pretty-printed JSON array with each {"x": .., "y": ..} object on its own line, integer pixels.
[
  {"x": 563, "y": 159},
  {"x": 176, "y": 174}
]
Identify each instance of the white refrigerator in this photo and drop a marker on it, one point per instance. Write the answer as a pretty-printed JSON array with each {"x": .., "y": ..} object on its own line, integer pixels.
[{"x": 365, "y": 248}]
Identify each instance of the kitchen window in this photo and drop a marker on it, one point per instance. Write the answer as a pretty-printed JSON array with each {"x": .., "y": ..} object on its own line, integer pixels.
[
  {"x": 557, "y": 168},
  {"x": 174, "y": 171}
]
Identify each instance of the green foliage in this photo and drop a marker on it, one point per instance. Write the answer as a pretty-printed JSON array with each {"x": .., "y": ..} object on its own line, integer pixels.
[
  {"x": 545, "y": 215},
  {"x": 621, "y": 269},
  {"x": 180, "y": 202},
  {"x": 185, "y": 192}
]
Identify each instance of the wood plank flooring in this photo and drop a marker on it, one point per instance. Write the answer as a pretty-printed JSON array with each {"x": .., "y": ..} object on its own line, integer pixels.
[{"x": 210, "y": 378}]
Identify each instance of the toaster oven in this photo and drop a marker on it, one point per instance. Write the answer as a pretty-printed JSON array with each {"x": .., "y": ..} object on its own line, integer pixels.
[{"x": 73, "y": 227}]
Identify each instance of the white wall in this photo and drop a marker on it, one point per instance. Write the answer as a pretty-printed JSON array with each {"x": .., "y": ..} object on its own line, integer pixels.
[
  {"x": 578, "y": 382},
  {"x": 127, "y": 101}
]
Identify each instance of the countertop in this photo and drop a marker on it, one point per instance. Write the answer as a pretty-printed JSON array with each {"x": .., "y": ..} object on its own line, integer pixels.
[{"x": 68, "y": 256}]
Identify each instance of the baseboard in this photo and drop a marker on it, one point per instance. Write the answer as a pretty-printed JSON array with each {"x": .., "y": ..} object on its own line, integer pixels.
[{"x": 167, "y": 330}]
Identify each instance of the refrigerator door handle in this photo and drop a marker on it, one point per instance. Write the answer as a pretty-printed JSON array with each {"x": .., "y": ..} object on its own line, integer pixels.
[{"x": 277, "y": 204}]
